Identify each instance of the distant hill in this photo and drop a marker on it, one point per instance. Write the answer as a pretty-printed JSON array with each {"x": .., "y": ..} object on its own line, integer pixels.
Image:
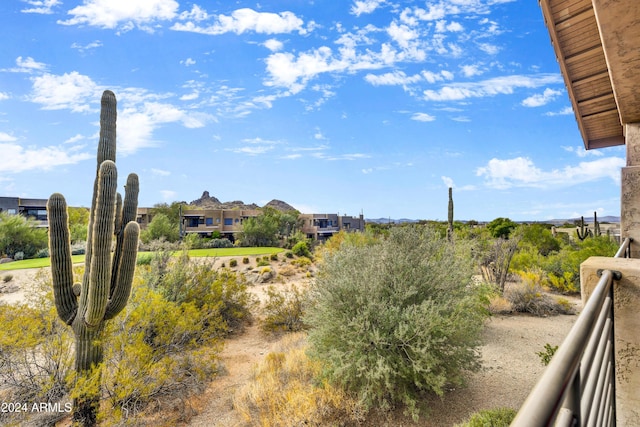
[{"x": 206, "y": 201}]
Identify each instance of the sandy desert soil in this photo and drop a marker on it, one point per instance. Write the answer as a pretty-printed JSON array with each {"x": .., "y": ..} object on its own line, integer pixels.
[{"x": 511, "y": 366}]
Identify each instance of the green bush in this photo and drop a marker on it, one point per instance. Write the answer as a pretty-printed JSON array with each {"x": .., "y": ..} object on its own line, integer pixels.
[
  {"x": 301, "y": 249},
  {"x": 144, "y": 258},
  {"x": 182, "y": 280},
  {"x": 500, "y": 417},
  {"x": 273, "y": 257},
  {"x": 547, "y": 354},
  {"x": 398, "y": 317},
  {"x": 7, "y": 278},
  {"x": 284, "y": 310},
  {"x": 288, "y": 254},
  {"x": 233, "y": 262},
  {"x": 528, "y": 296},
  {"x": 245, "y": 260},
  {"x": 262, "y": 263}
]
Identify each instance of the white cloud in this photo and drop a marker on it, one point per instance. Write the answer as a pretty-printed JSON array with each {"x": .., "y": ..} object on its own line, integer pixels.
[
  {"x": 538, "y": 100},
  {"x": 273, "y": 45},
  {"x": 402, "y": 34},
  {"x": 564, "y": 112},
  {"x": 471, "y": 70},
  {"x": 188, "y": 62},
  {"x": 448, "y": 182},
  {"x": 77, "y": 137},
  {"x": 349, "y": 156},
  {"x": 580, "y": 151},
  {"x": 93, "y": 45},
  {"x": 393, "y": 78},
  {"x": 423, "y": 117},
  {"x": 491, "y": 87},
  {"x": 196, "y": 13},
  {"x": 72, "y": 91},
  {"x": 123, "y": 14},
  {"x": 40, "y": 6},
  {"x": 365, "y": 6},
  {"x": 522, "y": 172},
  {"x": 4, "y": 96},
  {"x": 160, "y": 172},
  {"x": 5, "y": 137},
  {"x": 244, "y": 20},
  {"x": 294, "y": 72},
  {"x": 443, "y": 26},
  {"x": 253, "y": 150},
  {"x": 291, "y": 156},
  {"x": 27, "y": 65},
  {"x": 16, "y": 159}
]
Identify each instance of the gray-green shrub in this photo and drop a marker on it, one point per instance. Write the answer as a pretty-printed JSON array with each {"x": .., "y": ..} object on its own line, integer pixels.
[
  {"x": 397, "y": 318},
  {"x": 499, "y": 417}
]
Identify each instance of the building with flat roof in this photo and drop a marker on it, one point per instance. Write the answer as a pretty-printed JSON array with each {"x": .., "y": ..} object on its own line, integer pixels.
[{"x": 35, "y": 209}]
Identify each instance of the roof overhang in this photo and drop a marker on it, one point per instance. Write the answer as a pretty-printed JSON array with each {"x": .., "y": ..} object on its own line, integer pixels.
[{"x": 597, "y": 44}]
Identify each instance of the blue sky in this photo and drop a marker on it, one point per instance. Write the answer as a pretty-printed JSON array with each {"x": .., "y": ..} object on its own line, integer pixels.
[{"x": 332, "y": 106}]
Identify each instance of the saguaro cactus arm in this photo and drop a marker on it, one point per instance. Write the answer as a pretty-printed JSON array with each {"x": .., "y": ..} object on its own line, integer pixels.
[
  {"x": 95, "y": 304},
  {"x": 124, "y": 278},
  {"x": 126, "y": 212},
  {"x": 61, "y": 264}
]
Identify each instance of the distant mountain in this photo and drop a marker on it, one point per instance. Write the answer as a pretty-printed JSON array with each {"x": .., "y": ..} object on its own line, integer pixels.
[
  {"x": 608, "y": 218},
  {"x": 390, "y": 220},
  {"x": 279, "y": 205},
  {"x": 206, "y": 201}
]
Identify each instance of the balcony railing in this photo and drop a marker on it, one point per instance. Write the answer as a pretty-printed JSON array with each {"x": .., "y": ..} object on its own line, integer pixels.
[{"x": 578, "y": 386}]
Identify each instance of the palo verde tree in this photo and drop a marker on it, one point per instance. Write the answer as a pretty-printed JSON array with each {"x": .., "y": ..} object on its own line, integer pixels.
[{"x": 106, "y": 284}]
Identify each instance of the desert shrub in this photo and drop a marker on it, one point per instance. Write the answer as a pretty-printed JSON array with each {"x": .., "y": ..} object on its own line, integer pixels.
[
  {"x": 284, "y": 310},
  {"x": 398, "y": 317},
  {"x": 547, "y": 353},
  {"x": 19, "y": 234},
  {"x": 158, "y": 349},
  {"x": 564, "y": 284},
  {"x": 18, "y": 256},
  {"x": 529, "y": 296},
  {"x": 273, "y": 257},
  {"x": 144, "y": 258},
  {"x": 79, "y": 248},
  {"x": 301, "y": 249},
  {"x": 262, "y": 263},
  {"x": 245, "y": 260},
  {"x": 233, "y": 262},
  {"x": 301, "y": 262},
  {"x": 7, "y": 278},
  {"x": 42, "y": 253},
  {"x": 161, "y": 227},
  {"x": 182, "y": 280},
  {"x": 193, "y": 241},
  {"x": 288, "y": 254},
  {"x": 218, "y": 243},
  {"x": 500, "y": 417},
  {"x": 285, "y": 391},
  {"x": 287, "y": 270},
  {"x": 36, "y": 353}
]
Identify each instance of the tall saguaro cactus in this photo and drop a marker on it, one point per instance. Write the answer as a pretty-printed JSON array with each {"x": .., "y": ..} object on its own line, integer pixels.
[
  {"x": 450, "y": 216},
  {"x": 106, "y": 284}
]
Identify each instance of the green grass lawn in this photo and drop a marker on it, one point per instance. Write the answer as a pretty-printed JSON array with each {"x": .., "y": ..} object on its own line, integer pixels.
[{"x": 220, "y": 252}]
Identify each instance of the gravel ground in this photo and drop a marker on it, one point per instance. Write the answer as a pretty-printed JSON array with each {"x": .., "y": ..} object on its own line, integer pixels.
[{"x": 511, "y": 367}]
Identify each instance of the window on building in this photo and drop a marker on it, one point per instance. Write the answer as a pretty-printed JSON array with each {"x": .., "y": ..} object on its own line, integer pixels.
[
  {"x": 237, "y": 220},
  {"x": 228, "y": 221},
  {"x": 208, "y": 221},
  {"x": 11, "y": 211}
]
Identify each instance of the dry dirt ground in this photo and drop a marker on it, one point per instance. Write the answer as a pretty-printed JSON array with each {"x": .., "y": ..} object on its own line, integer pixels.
[{"x": 511, "y": 366}]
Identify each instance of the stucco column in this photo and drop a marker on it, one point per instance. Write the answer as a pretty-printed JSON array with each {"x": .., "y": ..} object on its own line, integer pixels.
[
  {"x": 630, "y": 188},
  {"x": 626, "y": 300}
]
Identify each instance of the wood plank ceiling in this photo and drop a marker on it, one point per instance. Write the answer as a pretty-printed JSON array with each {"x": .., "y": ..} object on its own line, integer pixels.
[{"x": 594, "y": 66}]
